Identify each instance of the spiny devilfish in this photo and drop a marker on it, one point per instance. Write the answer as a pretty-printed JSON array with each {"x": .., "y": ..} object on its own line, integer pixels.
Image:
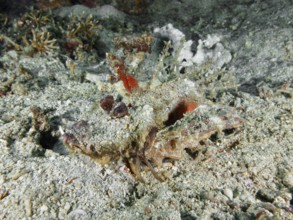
[{"x": 161, "y": 123}]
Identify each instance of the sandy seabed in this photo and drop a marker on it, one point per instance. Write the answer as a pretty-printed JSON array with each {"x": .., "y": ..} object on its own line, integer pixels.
[{"x": 252, "y": 177}]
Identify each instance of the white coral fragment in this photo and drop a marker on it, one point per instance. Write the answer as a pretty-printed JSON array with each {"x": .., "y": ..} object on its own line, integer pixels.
[{"x": 209, "y": 49}]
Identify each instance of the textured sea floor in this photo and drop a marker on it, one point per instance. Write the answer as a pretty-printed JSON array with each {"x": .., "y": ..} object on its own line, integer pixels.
[{"x": 251, "y": 178}]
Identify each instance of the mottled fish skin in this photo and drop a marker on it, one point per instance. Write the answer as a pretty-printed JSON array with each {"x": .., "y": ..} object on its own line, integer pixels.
[
  {"x": 159, "y": 144},
  {"x": 151, "y": 124},
  {"x": 200, "y": 125}
]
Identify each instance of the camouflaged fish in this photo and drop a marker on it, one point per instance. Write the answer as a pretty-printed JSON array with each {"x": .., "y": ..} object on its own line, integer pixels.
[
  {"x": 151, "y": 126},
  {"x": 145, "y": 123}
]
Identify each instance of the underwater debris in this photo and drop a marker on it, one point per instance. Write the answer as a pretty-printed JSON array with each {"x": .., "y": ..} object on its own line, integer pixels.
[
  {"x": 3, "y": 194},
  {"x": 7, "y": 40},
  {"x": 40, "y": 42},
  {"x": 30, "y": 34},
  {"x": 5, "y": 87},
  {"x": 33, "y": 19},
  {"x": 83, "y": 28},
  {"x": 40, "y": 119},
  {"x": 71, "y": 65},
  {"x": 137, "y": 44},
  {"x": 207, "y": 49},
  {"x": 39, "y": 32},
  {"x": 81, "y": 34}
]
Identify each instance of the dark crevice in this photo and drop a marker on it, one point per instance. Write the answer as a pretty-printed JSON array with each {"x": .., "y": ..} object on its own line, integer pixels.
[
  {"x": 47, "y": 140},
  {"x": 191, "y": 153},
  {"x": 214, "y": 137},
  {"x": 229, "y": 131}
]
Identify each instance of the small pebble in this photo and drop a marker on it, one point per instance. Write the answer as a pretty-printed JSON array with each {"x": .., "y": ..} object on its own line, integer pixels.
[
  {"x": 43, "y": 209},
  {"x": 288, "y": 179},
  {"x": 229, "y": 193},
  {"x": 28, "y": 207}
]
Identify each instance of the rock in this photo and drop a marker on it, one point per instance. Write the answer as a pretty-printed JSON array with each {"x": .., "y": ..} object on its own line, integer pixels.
[
  {"x": 288, "y": 179},
  {"x": 229, "y": 193}
]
